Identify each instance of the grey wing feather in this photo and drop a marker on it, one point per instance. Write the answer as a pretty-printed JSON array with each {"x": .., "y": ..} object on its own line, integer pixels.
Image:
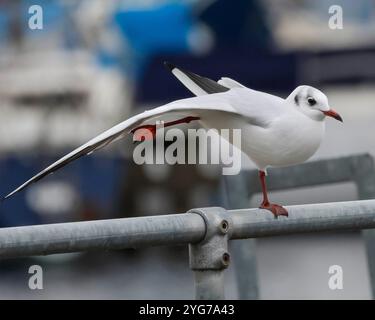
[{"x": 189, "y": 106}]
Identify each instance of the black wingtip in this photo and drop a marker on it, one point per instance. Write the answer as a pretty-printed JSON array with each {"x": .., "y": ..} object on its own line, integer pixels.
[
  {"x": 3, "y": 198},
  {"x": 169, "y": 65}
]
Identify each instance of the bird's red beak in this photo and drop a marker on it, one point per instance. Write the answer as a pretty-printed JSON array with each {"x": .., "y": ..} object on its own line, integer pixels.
[{"x": 333, "y": 114}]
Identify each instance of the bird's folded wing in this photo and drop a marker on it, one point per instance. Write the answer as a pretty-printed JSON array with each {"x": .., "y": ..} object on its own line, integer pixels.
[
  {"x": 198, "y": 85},
  {"x": 192, "y": 107},
  {"x": 259, "y": 108},
  {"x": 230, "y": 83}
]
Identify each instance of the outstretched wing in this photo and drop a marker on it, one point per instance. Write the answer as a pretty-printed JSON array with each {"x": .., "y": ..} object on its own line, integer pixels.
[
  {"x": 227, "y": 96},
  {"x": 195, "y": 106}
]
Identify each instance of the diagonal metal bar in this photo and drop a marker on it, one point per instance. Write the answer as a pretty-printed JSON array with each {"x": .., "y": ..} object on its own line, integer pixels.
[{"x": 351, "y": 168}]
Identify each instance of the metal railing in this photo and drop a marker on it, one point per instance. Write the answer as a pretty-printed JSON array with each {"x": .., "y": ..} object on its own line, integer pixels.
[
  {"x": 205, "y": 230},
  {"x": 239, "y": 189}
]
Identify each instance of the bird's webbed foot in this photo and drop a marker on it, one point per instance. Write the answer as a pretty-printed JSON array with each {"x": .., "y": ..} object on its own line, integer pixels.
[{"x": 276, "y": 209}]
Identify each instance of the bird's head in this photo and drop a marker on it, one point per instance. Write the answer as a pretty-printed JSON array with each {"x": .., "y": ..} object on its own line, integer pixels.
[{"x": 313, "y": 103}]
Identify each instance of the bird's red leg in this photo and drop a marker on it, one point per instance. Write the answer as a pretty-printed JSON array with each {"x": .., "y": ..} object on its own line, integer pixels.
[
  {"x": 148, "y": 131},
  {"x": 276, "y": 209}
]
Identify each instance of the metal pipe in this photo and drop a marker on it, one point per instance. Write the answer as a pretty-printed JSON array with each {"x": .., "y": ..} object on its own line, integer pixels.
[
  {"x": 181, "y": 228},
  {"x": 209, "y": 284},
  {"x": 210, "y": 257},
  {"x": 101, "y": 234},
  {"x": 335, "y": 216}
]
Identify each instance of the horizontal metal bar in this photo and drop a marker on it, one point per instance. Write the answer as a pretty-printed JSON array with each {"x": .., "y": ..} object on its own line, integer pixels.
[
  {"x": 101, "y": 234},
  {"x": 181, "y": 228},
  {"x": 335, "y": 216}
]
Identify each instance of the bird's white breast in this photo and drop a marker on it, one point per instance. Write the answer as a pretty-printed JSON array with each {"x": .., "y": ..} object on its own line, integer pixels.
[{"x": 289, "y": 140}]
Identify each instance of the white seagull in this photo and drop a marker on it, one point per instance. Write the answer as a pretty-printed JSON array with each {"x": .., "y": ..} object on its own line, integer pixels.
[{"x": 276, "y": 132}]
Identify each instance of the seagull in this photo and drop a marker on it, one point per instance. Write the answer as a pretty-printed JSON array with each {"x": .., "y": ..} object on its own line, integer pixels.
[{"x": 275, "y": 132}]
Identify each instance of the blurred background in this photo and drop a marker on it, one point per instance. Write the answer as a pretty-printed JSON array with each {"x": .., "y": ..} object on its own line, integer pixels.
[{"x": 96, "y": 62}]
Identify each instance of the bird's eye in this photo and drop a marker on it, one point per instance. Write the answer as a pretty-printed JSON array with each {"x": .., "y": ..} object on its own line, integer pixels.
[{"x": 311, "y": 101}]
